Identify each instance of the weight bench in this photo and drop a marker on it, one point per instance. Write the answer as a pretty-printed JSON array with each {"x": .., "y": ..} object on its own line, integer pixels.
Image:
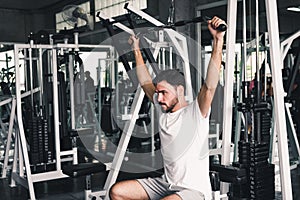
[{"x": 85, "y": 169}]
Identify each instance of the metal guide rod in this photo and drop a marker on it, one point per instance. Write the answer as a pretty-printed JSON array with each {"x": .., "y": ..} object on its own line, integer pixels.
[
  {"x": 40, "y": 72},
  {"x": 228, "y": 89},
  {"x": 265, "y": 65},
  {"x": 240, "y": 88},
  {"x": 244, "y": 38},
  {"x": 257, "y": 52},
  {"x": 258, "y": 81},
  {"x": 239, "y": 114},
  {"x": 276, "y": 63},
  {"x": 31, "y": 75}
]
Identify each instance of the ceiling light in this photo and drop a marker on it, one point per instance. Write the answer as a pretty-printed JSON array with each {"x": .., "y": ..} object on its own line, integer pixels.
[{"x": 294, "y": 8}]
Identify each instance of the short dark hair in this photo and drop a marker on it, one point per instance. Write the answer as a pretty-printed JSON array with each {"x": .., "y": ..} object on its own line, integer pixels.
[{"x": 171, "y": 76}]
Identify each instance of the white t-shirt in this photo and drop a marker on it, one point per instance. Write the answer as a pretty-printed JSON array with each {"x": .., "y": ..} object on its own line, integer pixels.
[{"x": 184, "y": 147}]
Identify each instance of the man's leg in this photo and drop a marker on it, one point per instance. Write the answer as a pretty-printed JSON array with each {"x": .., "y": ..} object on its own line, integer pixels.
[
  {"x": 187, "y": 194},
  {"x": 130, "y": 189},
  {"x": 172, "y": 197}
]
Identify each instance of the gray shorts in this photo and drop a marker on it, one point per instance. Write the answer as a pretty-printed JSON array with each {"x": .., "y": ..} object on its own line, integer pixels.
[{"x": 158, "y": 188}]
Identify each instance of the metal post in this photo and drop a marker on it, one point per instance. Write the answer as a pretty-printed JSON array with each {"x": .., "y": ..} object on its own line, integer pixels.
[
  {"x": 40, "y": 70},
  {"x": 21, "y": 127},
  {"x": 15, "y": 161},
  {"x": 9, "y": 137},
  {"x": 31, "y": 75},
  {"x": 239, "y": 89},
  {"x": 258, "y": 81},
  {"x": 71, "y": 79},
  {"x": 56, "y": 109},
  {"x": 276, "y": 62},
  {"x": 238, "y": 113},
  {"x": 228, "y": 90}
]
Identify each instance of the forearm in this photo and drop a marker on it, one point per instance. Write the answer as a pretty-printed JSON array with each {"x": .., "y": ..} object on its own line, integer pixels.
[
  {"x": 214, "y": 66},
  {"x": 142, "y": 72},
  {"x": 143, "y": 75}
]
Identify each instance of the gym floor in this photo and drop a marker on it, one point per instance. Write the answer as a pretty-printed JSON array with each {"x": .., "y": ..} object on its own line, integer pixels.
[{"x": 73, "y": 188}]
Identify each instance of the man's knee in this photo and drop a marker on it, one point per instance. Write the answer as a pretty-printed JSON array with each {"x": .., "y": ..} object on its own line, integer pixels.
[{"x": 115, "y": 191}]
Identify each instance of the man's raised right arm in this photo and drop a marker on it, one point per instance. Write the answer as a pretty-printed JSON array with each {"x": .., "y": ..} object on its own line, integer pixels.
[{"x": 142, "y": 72}]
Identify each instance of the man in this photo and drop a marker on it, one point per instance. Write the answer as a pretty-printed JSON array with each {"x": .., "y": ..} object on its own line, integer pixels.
[
  {"x": 183, "y": 131},
  {"x": 89, "y": 82},
  {"x": 89, "y": 95}
]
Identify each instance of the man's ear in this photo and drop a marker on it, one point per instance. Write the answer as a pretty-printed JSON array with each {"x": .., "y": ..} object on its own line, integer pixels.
[{"x": 180, "y": 90}]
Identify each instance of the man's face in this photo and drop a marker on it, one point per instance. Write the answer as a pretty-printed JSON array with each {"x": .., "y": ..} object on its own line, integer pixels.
[{"x": 167, "y": 96}]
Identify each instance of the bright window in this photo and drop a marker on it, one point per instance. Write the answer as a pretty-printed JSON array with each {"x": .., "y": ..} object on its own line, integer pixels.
[{"x": 113, "y": 8}]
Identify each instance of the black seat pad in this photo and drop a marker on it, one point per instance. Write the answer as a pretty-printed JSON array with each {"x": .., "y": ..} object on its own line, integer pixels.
[{"x": 83, "y": 169}]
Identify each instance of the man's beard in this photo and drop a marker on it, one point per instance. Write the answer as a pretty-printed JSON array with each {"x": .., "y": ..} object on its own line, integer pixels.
[{"x": 170, "y": 108}]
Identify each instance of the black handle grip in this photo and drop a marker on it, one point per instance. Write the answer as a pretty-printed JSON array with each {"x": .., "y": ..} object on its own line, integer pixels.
[{"x": 221, "y": 27}]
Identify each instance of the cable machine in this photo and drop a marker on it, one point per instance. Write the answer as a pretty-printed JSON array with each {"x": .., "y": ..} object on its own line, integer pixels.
[
  {"x": 28, "y": 167},
  {"x": 272, "y": 21}
]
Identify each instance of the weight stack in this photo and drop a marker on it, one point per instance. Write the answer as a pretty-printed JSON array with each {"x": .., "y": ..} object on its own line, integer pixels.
[
  {"x": 48, "y": 147},
  {"x": 40, "y": 134},
  {"x": 263, "y": 117},
  {"x": 253, "y": 156},
  {"x": 40, "y": 150},
  {"x": 33, "y": 141}
]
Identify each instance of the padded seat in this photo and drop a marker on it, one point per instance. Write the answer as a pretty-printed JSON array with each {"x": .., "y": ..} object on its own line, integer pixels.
[{"x": 83, "y": 169}]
